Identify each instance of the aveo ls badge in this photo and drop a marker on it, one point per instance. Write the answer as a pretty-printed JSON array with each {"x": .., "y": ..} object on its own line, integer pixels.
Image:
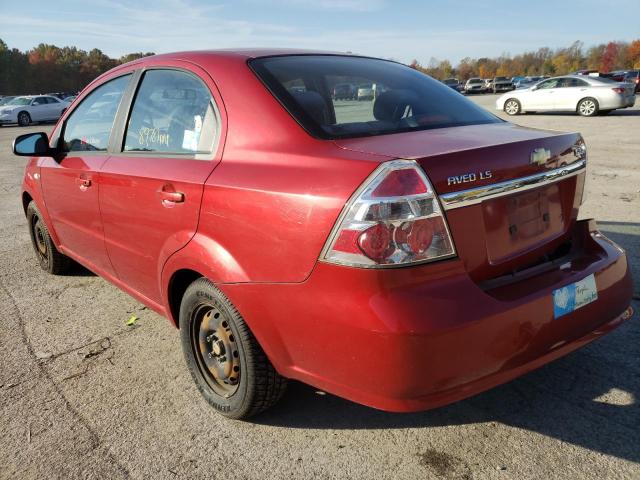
[{"x": 469, "y": 177}]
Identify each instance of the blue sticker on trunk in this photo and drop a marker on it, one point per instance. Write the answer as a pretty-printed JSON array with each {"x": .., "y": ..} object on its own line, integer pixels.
[{"x": 573, "y": 296}]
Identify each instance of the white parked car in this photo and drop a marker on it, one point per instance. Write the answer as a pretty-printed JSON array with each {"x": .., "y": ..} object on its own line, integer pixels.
[
  {"x": 32, "y": 108},
  {"x": 585, "y": 95},
  {"x": 366, "y": 92}
]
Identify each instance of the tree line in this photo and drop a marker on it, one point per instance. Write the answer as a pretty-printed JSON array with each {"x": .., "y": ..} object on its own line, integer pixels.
[
  {"x": 604, "y": 57},
  {"x": 48, "y": 68}
]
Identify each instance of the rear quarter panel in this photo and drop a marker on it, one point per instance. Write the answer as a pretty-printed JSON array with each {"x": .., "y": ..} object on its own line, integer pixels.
[{"x": 269, "y": 206}]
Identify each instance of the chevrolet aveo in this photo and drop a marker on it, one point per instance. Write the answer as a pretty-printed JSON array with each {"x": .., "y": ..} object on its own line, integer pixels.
[{"x": 404, "y": 252}]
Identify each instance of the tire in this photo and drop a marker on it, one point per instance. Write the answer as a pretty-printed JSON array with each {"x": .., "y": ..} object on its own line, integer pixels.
[
  {"x": 588, "y": 107},
  {"x": 24, "y": 119},
  {"x": 512, "y": 107},
  {"x": 225, "y": 360},
  {"x": 49, "y": 258}
]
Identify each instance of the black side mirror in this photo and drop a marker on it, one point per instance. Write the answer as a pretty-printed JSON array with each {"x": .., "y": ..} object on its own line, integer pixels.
[{"x": 32, "y": 145}]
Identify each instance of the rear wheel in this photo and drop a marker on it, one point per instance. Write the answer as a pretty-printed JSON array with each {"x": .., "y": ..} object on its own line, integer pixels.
[
  {"x": 24, "y": 119},
  {"x": 49, "y": 258},
  {"x": 588, "y": 107},
  {"x": 512, "y": 107},
  {"x": 225, "y": 360}
]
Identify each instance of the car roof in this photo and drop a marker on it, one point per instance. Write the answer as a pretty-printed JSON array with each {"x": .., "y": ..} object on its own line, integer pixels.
[{"x": 242, "y": 54}]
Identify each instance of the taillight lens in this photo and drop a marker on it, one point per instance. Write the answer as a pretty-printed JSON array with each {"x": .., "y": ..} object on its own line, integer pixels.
[
  {"x": 393, "y": 219},
  {"x": 618, "y": 89}
]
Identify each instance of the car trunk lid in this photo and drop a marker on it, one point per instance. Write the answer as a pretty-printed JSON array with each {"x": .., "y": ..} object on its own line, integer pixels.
[{"x": 507, "y": 230}]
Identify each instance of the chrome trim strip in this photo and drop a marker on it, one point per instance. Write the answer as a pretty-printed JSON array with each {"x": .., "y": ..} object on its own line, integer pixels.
[{"x": 476, "y": 195}]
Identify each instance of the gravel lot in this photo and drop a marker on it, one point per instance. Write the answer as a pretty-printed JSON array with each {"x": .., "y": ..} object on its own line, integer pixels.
[{"x": 83, "y": 395}]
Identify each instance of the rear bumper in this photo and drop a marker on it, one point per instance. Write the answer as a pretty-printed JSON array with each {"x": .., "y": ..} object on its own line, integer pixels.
[
  {"x": 421, "y": 337},
  {"x": 618, "y": 101}
]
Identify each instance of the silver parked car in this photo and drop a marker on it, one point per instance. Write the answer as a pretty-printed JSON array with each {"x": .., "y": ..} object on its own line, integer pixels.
[
  {"x": 474, "y": 85},
  {"x": 28, "y": 109},
  {"x": 585, "y": 95}
]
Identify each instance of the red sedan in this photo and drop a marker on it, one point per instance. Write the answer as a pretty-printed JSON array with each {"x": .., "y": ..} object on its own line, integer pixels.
[{"x": 404, "y": 252}]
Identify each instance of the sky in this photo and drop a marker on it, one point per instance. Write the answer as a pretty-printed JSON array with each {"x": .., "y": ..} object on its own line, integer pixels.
[{"x": 401, "y": 30}]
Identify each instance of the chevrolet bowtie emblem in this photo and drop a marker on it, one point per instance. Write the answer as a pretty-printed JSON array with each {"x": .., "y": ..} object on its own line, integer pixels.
[{"x": 540, "y": 156}]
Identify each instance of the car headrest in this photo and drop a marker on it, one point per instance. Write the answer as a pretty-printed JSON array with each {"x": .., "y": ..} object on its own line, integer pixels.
[
  {"x": 315, "y": 106},
  {"x": 390, "y": 106}
]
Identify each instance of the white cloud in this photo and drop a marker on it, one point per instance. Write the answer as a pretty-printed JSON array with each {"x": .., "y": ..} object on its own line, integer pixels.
[{"x": 338, "y": 5}]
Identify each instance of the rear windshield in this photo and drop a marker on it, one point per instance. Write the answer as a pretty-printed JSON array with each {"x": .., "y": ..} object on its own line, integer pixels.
[{"x": 387, "y": 97}]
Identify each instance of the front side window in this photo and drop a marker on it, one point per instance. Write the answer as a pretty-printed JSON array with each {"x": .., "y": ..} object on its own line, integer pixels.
[
  {"x": 551, "y": 83},
  {"x": 335, "y": 96},
  {"x": 88, "y": 128},
  {"x": 39, "y": 101},
  {"x": 172, "y": 113}
]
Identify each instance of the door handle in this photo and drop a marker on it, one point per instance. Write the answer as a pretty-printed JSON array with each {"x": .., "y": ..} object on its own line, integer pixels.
[
  {"x": 169, "y": 198},
  {"x": 83, "y": 183}
]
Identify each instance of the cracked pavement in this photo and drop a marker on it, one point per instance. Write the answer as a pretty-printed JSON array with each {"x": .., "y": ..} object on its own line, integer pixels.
[{"x": 83, "y": 395}]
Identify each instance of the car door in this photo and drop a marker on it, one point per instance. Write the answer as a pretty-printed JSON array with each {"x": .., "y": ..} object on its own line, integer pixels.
[
  {"x": 571, "y": 91},
  {"x": 151, "y": 190},
  {"x": 543, "y": 97},
  {"x": 54, "y": 108},
  {"x": 70, "y": 182},
  {"x": 38, "y": 109}
]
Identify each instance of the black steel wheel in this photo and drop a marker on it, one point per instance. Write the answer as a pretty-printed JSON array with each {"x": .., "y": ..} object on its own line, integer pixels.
[
  {"x": 49, "y": 258},
  {"x": 225, "y": 360}
]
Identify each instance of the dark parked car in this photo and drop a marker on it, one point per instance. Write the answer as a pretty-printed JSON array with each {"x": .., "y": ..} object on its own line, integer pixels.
[
  {"x": 633, "y": 76},
  {"x": 403, "y": 256},
  {"x": 61, "y": 95},
  {"x": 453, "y": 83},
  {"x": 585, "y": 72},
  {"x": 501, "y": 84}
]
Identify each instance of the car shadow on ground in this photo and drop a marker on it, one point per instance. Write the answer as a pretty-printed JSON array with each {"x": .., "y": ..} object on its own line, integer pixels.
[{"x": 589, "y": 398}]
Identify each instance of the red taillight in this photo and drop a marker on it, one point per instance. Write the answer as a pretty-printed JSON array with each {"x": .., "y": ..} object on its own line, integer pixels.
[
  {"x": 618, "y": 89},
  {"x": 394, "y": 219},
  {"x": 400, "y": 183},
  {"x": 377, "y": 242}
]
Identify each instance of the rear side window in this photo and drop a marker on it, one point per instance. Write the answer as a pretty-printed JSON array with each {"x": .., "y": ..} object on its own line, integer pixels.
[
  {"x": 172, "y": 113},
  {"x": 382, "y": 97},
  {"x": 574, "y": 82},
  {"x": 88, "y": 128}
]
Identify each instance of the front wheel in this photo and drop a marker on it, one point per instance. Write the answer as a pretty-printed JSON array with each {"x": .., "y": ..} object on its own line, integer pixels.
[
  {"x": 225, "y": 360},
  {"x": 49, "y": 258},
  {"x": 512, "y": 107},
  {"x": 588, "y": 107},
  {"x": 24, "y": 119}
]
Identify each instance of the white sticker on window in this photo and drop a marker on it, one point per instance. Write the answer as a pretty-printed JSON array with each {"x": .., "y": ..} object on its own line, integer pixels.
[{"x": 190, "y": 140}]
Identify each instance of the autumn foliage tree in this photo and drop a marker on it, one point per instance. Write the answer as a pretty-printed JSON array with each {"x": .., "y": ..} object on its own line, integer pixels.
[
  {"x": 544, "y": 61},
  {"x": 48, "y": 68}
]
